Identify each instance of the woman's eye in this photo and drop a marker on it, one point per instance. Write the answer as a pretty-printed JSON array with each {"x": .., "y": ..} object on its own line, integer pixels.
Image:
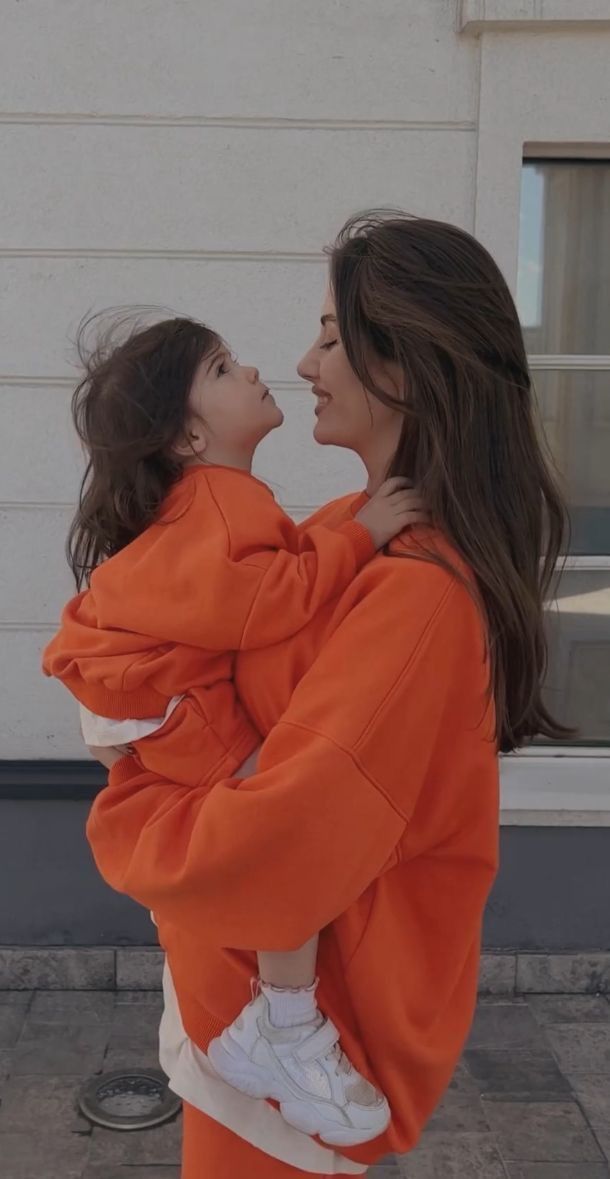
[
  {"x": 327, "y": 345},
  {"x": 222, "y": 369}
]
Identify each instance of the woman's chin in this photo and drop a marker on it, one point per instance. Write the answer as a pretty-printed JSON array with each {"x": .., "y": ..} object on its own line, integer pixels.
[{"x": 322, "y": 434}]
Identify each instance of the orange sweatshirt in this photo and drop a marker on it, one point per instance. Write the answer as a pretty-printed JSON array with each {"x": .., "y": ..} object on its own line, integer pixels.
[
  {"x": 373, "y": 816},
  {"x": 223, "y": 569}
]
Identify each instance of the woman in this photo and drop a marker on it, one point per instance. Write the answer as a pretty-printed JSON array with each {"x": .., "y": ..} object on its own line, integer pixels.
[{"x": 373, "y": 814}]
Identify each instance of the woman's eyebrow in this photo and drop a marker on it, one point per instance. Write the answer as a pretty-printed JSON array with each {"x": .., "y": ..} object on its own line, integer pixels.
[{"x": 324, "y": 319}]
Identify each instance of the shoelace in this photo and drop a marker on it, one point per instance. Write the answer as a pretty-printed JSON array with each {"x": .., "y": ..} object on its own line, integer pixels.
[{"x": 342, "y": 1064}]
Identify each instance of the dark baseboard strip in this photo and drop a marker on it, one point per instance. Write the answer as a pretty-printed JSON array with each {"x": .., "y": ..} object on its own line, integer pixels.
[{"x": 48, "y": 780}]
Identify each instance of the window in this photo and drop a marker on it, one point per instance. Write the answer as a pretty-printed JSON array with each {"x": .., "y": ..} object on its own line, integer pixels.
[{"x": 563, "y": 296}]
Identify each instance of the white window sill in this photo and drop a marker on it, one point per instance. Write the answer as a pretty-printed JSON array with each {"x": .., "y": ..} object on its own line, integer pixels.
[
  {"x": 480, "y": 16},
  {"x": 567, "y": 788}
]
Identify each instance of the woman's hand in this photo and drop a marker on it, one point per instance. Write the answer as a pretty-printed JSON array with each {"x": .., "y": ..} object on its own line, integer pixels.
[{"x": 108, "y": 755}]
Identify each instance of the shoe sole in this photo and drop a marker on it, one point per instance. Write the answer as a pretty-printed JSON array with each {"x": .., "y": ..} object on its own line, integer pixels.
[{"x": 236, "y": 1068}]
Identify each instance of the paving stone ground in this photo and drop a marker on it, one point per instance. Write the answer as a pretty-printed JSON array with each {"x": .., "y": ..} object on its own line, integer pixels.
[{"x": 529, "y": 1100}]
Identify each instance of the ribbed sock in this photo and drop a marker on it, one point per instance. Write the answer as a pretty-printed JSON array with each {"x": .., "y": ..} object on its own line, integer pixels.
[{"x": 290, "y": 1006}]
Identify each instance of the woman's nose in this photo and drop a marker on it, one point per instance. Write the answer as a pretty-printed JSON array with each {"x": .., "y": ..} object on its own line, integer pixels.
[
  {"x": 308, "y": 367},
  {"x": 253, "y": 374}
]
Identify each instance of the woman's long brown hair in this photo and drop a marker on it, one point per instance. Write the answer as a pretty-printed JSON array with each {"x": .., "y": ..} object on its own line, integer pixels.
[
  {"x": 429, "y": 298},
  {"x": 128, "y": 410}
]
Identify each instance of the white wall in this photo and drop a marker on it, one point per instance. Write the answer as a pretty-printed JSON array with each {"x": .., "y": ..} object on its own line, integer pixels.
[{"x": 198, "y": 155}]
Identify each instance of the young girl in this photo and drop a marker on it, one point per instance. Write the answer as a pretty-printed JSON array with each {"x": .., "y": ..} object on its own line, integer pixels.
[{"x": 188, "y": 559}]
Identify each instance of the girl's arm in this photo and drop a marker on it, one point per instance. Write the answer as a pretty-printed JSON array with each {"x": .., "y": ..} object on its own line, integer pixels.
[{"x": 227, "y": 569}]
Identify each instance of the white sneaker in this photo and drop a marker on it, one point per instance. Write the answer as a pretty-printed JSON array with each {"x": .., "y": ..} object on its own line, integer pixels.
[{"x": 303, "y": 1068}]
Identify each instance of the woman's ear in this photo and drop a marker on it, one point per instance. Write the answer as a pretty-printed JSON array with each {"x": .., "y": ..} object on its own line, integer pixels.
[{"x": 392, "y": 379}]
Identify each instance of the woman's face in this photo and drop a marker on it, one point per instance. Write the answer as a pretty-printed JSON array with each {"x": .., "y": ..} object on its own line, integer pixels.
[{"x": 346, "y": 414}]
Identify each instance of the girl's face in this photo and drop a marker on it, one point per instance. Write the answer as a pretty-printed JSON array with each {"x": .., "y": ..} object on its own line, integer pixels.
[
  {"x": 230, "y": 410},
  {"x": 346, "y": 414}
]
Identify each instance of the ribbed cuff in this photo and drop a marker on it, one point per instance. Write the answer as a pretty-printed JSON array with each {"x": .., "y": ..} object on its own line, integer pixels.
[
  {"x": 122, "y": 771},
  {"x": 138, "y": 705},
  {"x": 361, "y": 541}
]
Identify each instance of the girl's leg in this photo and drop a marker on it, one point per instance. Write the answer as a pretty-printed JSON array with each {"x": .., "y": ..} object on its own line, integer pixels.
[
  {"x": 282, "y": 1047},
  {"x": 288, "y": 982},
  {"x": 210, "y": 1151},
  {"x": 295, "y": 968}
]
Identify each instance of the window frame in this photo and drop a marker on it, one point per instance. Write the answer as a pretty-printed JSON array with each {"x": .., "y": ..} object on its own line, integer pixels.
[
  {"x": 568, "y": 120},
  {"x": 544, "y": 785},
  {"x": 561, "y": 785},
  {"x": 577, "y": 363}
]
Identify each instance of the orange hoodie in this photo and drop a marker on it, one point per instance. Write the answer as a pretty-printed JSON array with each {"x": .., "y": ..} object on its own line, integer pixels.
[
  {"x": 373, "y": 817},
  {"x": 223, "y": 569}
]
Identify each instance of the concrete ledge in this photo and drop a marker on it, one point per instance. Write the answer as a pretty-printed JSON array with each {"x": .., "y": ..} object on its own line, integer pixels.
[
  {"x": 139, "y": 970},
  {"x": 498, "y": 974},
  {"x": 61, "y": 968},
  {"x": 124, "y": 969},
  {"x": 569, "y": 974},
  {"x": 480, "y": 16}
]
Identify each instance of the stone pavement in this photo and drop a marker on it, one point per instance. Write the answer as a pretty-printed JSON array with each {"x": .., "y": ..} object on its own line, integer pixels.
[{"x": 530, "y": 1100}]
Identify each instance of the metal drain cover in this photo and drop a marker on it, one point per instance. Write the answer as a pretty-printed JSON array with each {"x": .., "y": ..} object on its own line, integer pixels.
[{"x": 129, "y": 1100}]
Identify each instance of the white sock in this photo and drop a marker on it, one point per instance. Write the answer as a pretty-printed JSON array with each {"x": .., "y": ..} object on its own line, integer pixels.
[{"x": 290, "y": 1006}]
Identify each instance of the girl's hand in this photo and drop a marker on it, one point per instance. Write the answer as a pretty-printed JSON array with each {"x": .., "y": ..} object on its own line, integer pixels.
[
  {"x": 108, "y": 755},
  {"x": 395, "y": 506}
]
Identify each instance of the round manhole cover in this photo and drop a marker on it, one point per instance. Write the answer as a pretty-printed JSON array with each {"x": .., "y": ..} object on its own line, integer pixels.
[{"x": 133, "y": 1099}]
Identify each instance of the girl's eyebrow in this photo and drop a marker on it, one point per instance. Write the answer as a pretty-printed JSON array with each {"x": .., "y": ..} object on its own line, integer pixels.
[
  {"x": 217, "y": 355},
  {"x": 324, "y": 319}
]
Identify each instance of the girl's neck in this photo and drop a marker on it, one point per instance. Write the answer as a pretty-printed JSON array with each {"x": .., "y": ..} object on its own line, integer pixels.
[{"x": 220, "y": 458}]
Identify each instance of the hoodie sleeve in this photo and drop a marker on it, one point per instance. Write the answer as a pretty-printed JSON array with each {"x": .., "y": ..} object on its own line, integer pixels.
[
  {"x": 226, "y": 569},
  {"x": 271, "y": 859}
]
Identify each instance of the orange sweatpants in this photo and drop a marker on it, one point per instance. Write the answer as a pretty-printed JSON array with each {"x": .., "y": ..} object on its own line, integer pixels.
[{"x": 210, "y": 1151}]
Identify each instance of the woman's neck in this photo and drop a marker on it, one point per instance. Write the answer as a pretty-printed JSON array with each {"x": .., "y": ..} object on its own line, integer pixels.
[
  {"x": 377, "y": 471},
  {"x": 378, "y": 454}
]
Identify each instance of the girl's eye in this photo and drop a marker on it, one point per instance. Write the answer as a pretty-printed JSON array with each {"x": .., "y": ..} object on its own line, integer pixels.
[
  {"x": 329, "y": 344},
  {"x": 224, "y": 366}
]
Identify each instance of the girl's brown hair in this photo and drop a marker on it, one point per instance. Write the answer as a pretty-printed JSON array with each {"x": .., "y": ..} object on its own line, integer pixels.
[
  {"x": 428, "y": 297},
  {"x": 129, "y": 410}
]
